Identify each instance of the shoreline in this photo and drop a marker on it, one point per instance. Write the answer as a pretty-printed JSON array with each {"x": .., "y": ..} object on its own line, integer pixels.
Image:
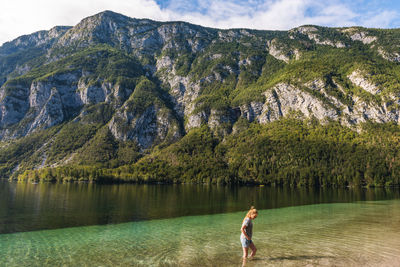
[{"x": 248, "y": 184}]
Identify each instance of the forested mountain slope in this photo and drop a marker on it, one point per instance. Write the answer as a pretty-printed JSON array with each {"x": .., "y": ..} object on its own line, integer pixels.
[{"x": 124, "y": 94}]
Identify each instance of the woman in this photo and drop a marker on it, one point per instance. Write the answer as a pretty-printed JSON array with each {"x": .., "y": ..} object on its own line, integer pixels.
[{"x": 247, "y": 233}]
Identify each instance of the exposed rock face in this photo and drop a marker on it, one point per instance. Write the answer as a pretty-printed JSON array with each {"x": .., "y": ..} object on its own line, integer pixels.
[
  {"x": 14, "y": 104},
  {"x": 195, "y": 120},
  {"x": 102, "y": 92},
  {"x": 306, "y": 29},
  {"x": 363, "y": 112},
  {"x": 312, "y": 33},
  {"x": 395, "y": 57},
  {"x": 251, "y": 111},
  {"x": 358, "y": 34},
  {"x": 51, "y": 101},
  {"x": 284, "y": 99},
  {"x": 363, "y": 37},
  {"x": 92, "y": 94},
  {"x": 154, "y": 124},
  {"x": 51, "y": 112},
  {"x": 278, "y": 51},
  {"x": 319, "y": 86},
  {"x": 357, "y": 78}
]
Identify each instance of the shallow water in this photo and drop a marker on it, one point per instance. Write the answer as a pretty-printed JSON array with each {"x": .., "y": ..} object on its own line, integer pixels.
[{"x": 338, "y": 234}]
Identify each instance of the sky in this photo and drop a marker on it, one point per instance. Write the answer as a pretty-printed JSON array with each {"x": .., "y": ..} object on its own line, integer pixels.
[{"x": 19, "y": 17}]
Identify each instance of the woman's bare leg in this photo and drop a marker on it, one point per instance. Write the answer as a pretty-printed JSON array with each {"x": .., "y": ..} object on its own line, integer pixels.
[
  {"x": 253, "y": 250},
  {"x": 245, "y": 251}
]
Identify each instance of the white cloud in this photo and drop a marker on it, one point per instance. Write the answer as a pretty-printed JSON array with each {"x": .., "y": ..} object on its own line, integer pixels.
[
  {"x": 18, "y": 17},
  {"x": 380, "y": 20},
  {"x": 272, "y": 14}
]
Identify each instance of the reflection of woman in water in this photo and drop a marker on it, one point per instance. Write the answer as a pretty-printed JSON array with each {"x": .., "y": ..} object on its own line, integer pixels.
[{"x": 247, "y": 233}]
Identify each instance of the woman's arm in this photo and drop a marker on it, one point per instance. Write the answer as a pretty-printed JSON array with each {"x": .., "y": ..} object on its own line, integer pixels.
[{"x": 244, "y": 232}]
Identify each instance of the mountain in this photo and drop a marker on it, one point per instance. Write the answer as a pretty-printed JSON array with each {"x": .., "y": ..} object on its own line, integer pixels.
[{"x": 117, "y": 92}]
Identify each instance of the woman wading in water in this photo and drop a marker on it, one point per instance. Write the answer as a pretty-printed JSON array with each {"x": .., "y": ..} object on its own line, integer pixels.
[{"x": 247, "y": 233}]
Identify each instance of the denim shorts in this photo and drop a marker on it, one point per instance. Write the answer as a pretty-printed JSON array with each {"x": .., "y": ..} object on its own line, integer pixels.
[{"x": 245, "y": 242}]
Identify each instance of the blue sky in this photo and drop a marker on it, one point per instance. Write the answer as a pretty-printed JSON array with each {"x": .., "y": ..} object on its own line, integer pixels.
[
  {"x": 362, "y": 5},
  {"x": 369, "y": 13},
  {"x": 18, "y": 17}
]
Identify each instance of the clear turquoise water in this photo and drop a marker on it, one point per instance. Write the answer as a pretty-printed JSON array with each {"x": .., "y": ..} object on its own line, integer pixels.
[{"x": 337, "y": 234}]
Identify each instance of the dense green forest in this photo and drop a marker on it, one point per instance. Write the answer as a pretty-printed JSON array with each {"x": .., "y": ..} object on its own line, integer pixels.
[{"x": 287, "y": 152}]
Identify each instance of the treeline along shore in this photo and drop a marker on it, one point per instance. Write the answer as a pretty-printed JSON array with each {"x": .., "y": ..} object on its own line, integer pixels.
[{"x": 289, "y": 152}]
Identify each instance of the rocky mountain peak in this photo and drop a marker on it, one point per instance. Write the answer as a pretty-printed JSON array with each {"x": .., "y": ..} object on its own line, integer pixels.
[
  {"x": 105, "y": 27},
  {"x": 32, "y": 40}
]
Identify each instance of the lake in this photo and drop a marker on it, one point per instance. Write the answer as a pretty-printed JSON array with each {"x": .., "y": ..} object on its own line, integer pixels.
[{"x": 80, "y": 224}]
